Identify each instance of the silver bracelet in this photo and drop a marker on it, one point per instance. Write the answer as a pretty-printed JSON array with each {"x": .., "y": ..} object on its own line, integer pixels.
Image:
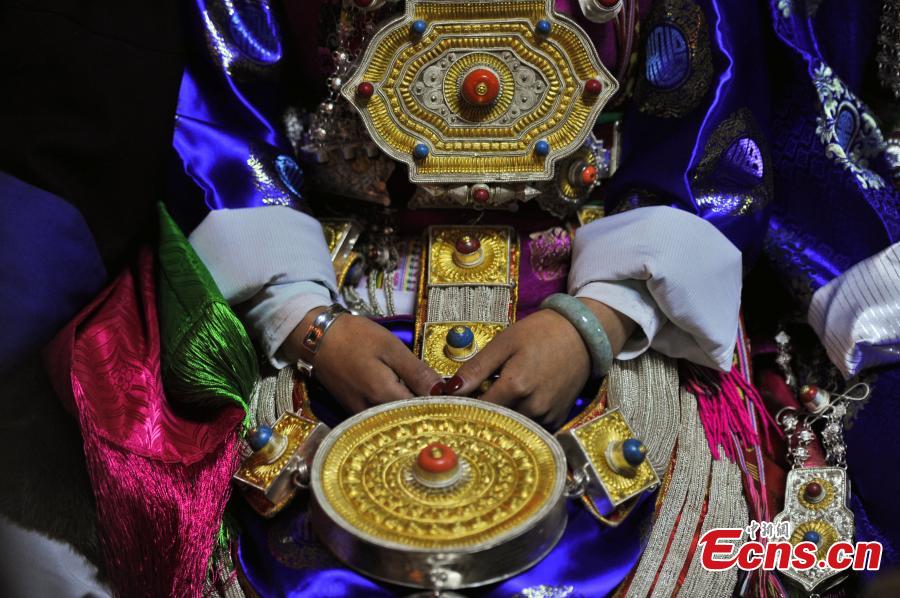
[
  {"x": 587, "y": 325},
  {"x": 312, "y": 340}
]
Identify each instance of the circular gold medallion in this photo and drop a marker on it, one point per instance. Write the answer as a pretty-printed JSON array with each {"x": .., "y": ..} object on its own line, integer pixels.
[{"x": 364, "y": 475}]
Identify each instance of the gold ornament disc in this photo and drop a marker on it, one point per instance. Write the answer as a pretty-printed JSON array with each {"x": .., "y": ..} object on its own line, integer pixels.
[{"x": 514, "y": 474}]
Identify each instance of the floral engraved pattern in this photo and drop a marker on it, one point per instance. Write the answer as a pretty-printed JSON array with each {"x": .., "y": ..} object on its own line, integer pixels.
[{"x": 846, "y": 128}]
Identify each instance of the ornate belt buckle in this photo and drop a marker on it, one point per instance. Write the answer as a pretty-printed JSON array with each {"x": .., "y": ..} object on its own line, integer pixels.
[
  {"x": 607, "y": 461},
  {"x": 271, "y": 476}
]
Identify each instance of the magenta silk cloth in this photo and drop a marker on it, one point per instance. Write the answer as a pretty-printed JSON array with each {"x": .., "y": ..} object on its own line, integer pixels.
[{"x": 160, "y": 481}]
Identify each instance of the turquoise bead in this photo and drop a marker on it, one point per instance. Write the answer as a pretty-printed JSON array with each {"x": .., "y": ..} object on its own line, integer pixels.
[
  {"x": 259, "y": 437},
  {"x": 634, "y": 452},
  {"x": 460, "y": 337},
  {"x": 812, "y": 536},
  {"x": 418, "y": 27},
  {"x": 420, "y": 151}
]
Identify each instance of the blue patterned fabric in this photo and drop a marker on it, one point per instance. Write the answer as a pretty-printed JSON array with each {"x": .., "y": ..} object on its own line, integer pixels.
[
  {"x": 228, "y": 133},
  {"x": 783, "y": 156}
]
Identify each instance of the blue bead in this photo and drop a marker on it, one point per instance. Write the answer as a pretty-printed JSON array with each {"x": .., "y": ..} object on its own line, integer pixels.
[
  {"x": 259, "y": 437},
  {"x": 812, "y": 536},
  {"x": 634, "y": 452},
  {"x": 420, "y": 152},
  {"x": 543, "y": 27},
  {"x": 460, "y": 337},
  {"x": 418, "y": 27},
  {"x": 542, "y": 148}
]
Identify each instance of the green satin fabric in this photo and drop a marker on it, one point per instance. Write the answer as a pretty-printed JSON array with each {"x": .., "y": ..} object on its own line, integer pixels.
[{"x": 208, "y": 360}]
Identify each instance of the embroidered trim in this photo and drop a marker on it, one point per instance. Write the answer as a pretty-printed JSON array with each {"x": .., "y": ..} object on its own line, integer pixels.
[
  {"x": 734, "y": 177},
  {"x": 677, "y": 60},
  {"x": 846, "y": 128}
]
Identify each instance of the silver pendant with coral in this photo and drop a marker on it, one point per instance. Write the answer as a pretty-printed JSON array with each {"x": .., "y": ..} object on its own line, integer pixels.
[{"x": 816, "y": 497}]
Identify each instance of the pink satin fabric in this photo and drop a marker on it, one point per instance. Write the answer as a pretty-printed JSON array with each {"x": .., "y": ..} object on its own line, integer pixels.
[{"x": 160, "y": 481}]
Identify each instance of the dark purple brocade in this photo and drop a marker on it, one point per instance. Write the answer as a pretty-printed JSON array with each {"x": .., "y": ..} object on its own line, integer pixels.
[{"x": 831, "y": 203}]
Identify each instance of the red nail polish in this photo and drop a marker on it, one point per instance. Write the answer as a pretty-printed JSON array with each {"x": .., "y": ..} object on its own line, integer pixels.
[
  {"x": 438, "y": 389},
  {"x": 452, "y": 385}
]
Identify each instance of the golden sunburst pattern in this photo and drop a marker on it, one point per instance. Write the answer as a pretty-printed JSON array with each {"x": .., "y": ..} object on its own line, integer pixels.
[
  {"x": 595, "y": 437},
  {"x": 255, "y": 472},
  {"x": 415, "y": 79},
  {"x": 434, "y": 341},
  {"x": 513, "y": 474},
  {"x": 827, "y": 535},
  {"x": 824, "y": 503},
  {"x": 496, "y": 243}
]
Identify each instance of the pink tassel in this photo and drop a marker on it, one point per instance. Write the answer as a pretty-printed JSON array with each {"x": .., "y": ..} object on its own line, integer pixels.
[{"x": 721, "y": 402}]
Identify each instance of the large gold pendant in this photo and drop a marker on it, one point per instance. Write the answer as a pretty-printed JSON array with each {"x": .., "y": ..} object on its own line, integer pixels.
[
  {"x": 499, "y": 510},
  {"x": 480, "y": 90}
]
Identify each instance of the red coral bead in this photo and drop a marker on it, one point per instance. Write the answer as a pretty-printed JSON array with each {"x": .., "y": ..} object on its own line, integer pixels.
[
  {"x": 589, "y": 175},
  {"x": 467, "y": 245},
  {"x": 813, "y": 490},
  {"x": 365, "y": 89},
  {"x": 481, "y": 195},
  {"x": 593, "y": 87},
  {"x": 808, "y": 393},
  {"x": 437, "y": 458},
  {"x": 480, "y": 87}
]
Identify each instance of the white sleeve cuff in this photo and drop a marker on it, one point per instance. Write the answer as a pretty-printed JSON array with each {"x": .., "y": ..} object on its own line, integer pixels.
[
  {"x": 691, "y": 272},
  {"x": 629, "y": 297},
  {"x": 857, "y": 315},
  {"x": 272, "y": 264},
  {"x": 249, "y": 248},
  {"x": 273, "y": 313}
]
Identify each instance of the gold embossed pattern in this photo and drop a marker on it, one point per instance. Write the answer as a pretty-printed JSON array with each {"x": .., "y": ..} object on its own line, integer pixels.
[
  {"x": 542, "y": 89},
  {"x": 494, "y": 270},
  {"x": 259, "y": 474},
  {"x": 588, "y": 214},
  {"x": 827, "y": 488},
  {"x": 827, "y": 534},
  {"x": 436, "y": 338},
  {"x": 596, "y": 437},
  {"x": 365, "y": 476}
]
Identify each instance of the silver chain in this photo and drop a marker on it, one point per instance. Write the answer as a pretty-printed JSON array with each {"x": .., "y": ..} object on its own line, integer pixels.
[
  {"x": 783, "y": 359},
  {"x": 799, "y": 433}
]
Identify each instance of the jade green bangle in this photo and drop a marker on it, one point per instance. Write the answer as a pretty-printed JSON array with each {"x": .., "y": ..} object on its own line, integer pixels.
[{"x": 587, "y": 325}]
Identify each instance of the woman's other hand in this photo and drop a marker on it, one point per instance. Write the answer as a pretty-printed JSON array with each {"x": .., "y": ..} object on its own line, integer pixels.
[{"x": 542, "y": 361}]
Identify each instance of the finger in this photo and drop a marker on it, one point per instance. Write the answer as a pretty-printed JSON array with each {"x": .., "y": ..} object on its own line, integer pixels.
[
  {"x": 511, "y": 387},
  {"x": 473, "y": 372},
  {"x": 383, "y": 385},
  {"x": 418, "y": 377}
]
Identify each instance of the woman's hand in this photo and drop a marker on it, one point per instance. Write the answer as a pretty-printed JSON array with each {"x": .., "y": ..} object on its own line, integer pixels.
[
  {"x": 361, "y": 363},
  {"x": 542, "y": 361}
]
